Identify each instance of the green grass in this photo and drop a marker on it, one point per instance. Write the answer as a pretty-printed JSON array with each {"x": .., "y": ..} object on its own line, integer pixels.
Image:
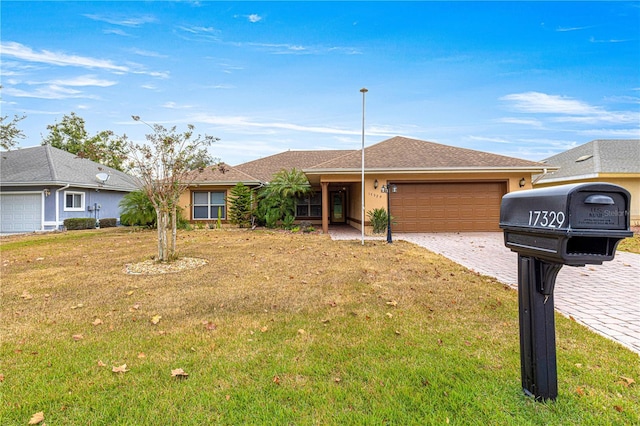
[{"x": 306, "y": 332}]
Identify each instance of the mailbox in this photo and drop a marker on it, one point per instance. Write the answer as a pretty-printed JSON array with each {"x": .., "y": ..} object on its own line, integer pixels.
[{"x": 573, "y": 224}]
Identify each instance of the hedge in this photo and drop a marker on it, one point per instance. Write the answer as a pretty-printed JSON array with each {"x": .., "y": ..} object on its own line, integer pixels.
[
  {"x": 108, "y": 222},
  {"x": 79, "y": 223}
]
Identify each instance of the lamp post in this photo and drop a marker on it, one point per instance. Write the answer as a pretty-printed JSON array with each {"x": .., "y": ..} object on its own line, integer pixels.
[
  {"x": 363, "y": 91},
  {"x": 388, "y": 189}
]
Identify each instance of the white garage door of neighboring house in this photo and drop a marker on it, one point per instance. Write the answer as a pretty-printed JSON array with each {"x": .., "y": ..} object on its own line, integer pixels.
[
  {"x": 447, "y": 207},
  {"x": 20, "y": 212}
]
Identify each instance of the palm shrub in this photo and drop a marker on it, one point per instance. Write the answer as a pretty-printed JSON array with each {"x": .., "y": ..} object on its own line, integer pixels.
[
  {"x": 277, "y": 200},
  {"x": 240, "y": 210},
  {"x": 378, "y": 218},
  {"x": 137, "y": 210}
]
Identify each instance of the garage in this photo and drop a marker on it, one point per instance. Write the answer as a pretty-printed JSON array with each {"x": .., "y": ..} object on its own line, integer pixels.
[
  {"x": 20, "y": 212},
  {"x": 447, "y": 206}
]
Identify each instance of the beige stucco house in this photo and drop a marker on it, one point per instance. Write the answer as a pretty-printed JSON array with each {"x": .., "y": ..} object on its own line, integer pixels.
[
  {"x": 439, "y": 188},
  {"x": 606, "y": 160}
]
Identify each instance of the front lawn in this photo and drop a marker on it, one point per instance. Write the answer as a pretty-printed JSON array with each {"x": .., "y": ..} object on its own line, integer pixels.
[{"x": 279, "y": 328}]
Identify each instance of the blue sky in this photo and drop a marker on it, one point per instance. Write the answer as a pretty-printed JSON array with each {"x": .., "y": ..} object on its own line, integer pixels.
[{"x": 521, "y": 79}]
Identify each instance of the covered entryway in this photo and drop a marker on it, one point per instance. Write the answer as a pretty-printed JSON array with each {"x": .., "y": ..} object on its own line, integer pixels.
[
  {"x": 447, "y": 206},
  {"x": 20, "y": 212}
]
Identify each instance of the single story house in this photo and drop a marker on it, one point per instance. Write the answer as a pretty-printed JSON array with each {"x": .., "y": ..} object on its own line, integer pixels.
[
  {"x": 41, "y": 186},
  {"x": 439, "y": 188},
  {"x": 605, "y": 160}
]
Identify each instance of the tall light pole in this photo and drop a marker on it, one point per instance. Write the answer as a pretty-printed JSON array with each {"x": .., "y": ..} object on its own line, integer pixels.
[{"x": 363, "y": 91}]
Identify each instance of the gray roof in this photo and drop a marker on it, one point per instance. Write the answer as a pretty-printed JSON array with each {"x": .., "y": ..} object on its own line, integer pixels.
[
  {"x": 46, "y": 165},
  {"x": 590, "y": 160}
]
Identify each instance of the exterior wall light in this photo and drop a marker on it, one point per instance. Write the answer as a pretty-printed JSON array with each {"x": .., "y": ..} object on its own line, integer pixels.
[
  {"x": 522, "y": 183},
  {"x": 47, "y": 192},
  {"x": 375, "y": 184}
]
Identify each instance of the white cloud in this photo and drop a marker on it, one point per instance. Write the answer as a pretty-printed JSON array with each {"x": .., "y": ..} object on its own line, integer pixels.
[
  {"x": 537, "y": 102},
  {"x": 253, "y": 18},
  {"x": 567, "y": 110},
  {"x": 83, "y": 80},
  {"x": 567, "y": 29},
  {"x": 147, "y": 53},
  {"x": 128, "y": 21},
  {"x": 487, "y": 139},
  {"x": 524, "y": 121},
  {"x": 198, "y": 29},
  {"x": 20, "y": 51},
  {"x": 25, "y": 53},
  {"x": 47, "y": 92}
]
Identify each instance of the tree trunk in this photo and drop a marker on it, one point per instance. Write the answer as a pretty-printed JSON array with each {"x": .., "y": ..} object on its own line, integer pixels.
[
  {"x": 163, "y": 249},
  {"x": 174, "y": 231}
]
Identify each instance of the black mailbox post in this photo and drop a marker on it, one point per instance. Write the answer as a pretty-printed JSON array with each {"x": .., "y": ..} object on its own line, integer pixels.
[{"x": 574, "y": 225}]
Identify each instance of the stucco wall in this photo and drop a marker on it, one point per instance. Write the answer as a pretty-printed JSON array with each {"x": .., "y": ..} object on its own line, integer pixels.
[{"x": 631, "y": 184}]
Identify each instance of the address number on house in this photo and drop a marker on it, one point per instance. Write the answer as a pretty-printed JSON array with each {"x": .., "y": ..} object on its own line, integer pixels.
[{"x": 545, "y": 218}]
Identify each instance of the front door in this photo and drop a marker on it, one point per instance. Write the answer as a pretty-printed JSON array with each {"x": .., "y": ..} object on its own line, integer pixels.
[{"x": 338, "y": 213}]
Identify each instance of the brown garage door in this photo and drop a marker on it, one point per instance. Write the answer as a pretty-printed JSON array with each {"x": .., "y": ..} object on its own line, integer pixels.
[{"x": 447, "y": 207}]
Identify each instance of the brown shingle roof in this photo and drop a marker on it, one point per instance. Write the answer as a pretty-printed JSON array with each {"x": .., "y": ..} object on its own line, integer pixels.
[
  {"x": 222, "y": 173},
  {"x": 400, "y": 153},
  {"x": 264, "y": 168}
]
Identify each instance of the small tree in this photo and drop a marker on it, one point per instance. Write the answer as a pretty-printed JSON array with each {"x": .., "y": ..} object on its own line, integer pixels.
[
  {"x": 9, "y": 132},
  {"x": 278, "y": 199},
  {"x": 240, "y": 210},
  {"x": 104, "y": 147},
  {"x": 165, "y": 166}
]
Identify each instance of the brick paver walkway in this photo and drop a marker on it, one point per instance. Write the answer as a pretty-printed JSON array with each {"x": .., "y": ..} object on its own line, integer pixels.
[{"x": 605, "y": 298}]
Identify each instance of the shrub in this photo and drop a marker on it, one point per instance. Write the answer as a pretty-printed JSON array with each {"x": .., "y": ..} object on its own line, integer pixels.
[
  {"x": 240, "y": 211},
  {"x": 378, "y": 218},
  {"x": 108, "y": 222},
  {"x": 76, "y": 223}
]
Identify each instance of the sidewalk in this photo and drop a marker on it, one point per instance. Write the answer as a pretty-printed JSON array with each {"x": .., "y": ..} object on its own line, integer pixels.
[{"x": 605, "y": 298}]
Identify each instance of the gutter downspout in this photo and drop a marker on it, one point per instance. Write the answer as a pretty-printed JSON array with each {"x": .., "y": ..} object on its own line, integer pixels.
[
  {"x": 58, "y": 205},
  {"x": 544, "y": 173}
]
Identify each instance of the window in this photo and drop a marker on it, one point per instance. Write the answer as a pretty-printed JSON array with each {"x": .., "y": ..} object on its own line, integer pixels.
[
  {"x": 73, "y": 201},
  {"x": 207, "y": 205},
  {"x": 309, "y": 206}
]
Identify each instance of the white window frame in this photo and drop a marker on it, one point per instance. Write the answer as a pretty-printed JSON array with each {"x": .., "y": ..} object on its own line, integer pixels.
[
  {"x": 74, "y": 209},
  {"x": 209, "y": 205}
]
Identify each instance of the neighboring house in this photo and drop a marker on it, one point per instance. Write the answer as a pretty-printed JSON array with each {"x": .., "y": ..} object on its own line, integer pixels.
[
  {"x": 606, "y": 160},
  {"x": 41, "y": 186},
  {"x": 439, "y": 188}
]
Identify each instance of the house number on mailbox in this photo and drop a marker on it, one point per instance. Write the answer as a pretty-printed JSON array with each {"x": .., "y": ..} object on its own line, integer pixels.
[{"x": 547, "y": 219}]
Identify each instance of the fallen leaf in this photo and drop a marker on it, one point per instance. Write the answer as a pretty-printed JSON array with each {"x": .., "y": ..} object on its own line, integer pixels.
[
  {"x": 227, "y": 397},
  {"x": 389, "y": 314},
  {"x": 579, "y": 365},
  {"x": 392, "y": 303},
  {"x": 398, "y": 332},
  {"x": 276, "y": 380},
  {"x": 101, "y": 364},
  {"x": 580, "y": 391},
  {"x": 97, "y": 321},
  {"x": 155, "y": 319},
  {"x": 37, "y": 418},
  {"x": 627, "y": 381},
  {"x": 129, "y": 293},
  {"x": 618, "y": 408},
  {"x": 77, "y": 337},
  {"x": 179, "y": 372},
  {"x": 121, "y": 369},
  {"x": 209, "y": 325},
  {"x": 26, "y": 296},
  {"x": 301, "y": 331},
  {"x": 141, "y": 355},
  {"x": 264, "y": 329}
]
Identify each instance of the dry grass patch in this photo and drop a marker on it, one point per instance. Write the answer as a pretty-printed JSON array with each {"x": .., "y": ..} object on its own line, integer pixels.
[{"x": 277, "y": 328}]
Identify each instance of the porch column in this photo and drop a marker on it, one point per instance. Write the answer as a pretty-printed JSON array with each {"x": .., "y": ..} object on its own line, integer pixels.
[{"x": 325, "y": 207}]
